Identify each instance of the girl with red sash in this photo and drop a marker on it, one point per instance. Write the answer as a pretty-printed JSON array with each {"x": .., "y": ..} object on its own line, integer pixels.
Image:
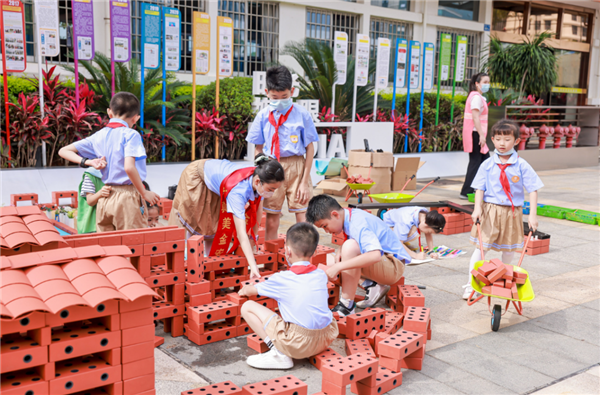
[
  {"x": 222, "y": 202},
  {"x": 475, "y": 128}
]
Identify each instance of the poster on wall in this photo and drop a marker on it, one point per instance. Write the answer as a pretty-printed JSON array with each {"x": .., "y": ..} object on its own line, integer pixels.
[
  {"x": 172, "y": 21},
  {"x": 340, "y": 56},
  {"x": 120, "y": 30},
  {"x": 201, "y": 40},
  {"x": 383, "y": 63},
  {"x": 46, "y": 13},
  {"x": 445, "y": 55},
  {"x": 83, "y": 28},
  {"x": 461, "y": 58},
  {"x": 415, "y": 63},
  {"x": 13, "y": 36},
  {"x": 225, "y": 40},
  {"x": 401, "y": 63},
  {"x": 151, "y": 35},
  {"x": 428, "y": 66},
  {"x": 363, "y": 47}
]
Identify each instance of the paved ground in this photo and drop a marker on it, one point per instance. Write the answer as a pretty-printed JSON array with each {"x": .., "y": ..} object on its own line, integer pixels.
[{"x": 553, "y": 348}]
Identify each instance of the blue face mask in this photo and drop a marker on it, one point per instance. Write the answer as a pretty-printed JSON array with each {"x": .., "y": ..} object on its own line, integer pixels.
[
  {"x": 281, "y": 105},
  {"x": 485, "y": 88},
  {"x": 512, "y": 151}
]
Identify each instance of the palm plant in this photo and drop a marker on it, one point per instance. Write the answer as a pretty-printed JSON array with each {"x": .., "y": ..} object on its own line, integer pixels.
[
  {"x": 127, "y": 79},
  {"x": 529, "y": 67},
  {"x": 319, "y": 72}
]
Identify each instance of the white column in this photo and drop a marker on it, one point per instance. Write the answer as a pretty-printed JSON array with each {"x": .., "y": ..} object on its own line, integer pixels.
[{"x": 292, "y": 27}]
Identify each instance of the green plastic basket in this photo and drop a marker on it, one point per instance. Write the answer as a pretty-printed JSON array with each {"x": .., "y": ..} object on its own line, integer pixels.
[
  {"x": 554, "y": 211},
  {"x": 586, "y": 217},
  {"x": 471, "y": 197}
]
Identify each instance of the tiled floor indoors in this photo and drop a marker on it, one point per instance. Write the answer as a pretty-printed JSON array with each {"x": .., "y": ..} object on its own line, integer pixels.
[{"x": 554, "y": 347}]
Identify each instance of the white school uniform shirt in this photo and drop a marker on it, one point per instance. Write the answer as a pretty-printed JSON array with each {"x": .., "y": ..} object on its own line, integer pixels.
[
  {"x": 403, "y": 219},
  {"x": 520, "y": 175},
  {"x": 302, "y": 298},
  {"x": 478, "y": 102},
  {"x": 215, "y": 171}
]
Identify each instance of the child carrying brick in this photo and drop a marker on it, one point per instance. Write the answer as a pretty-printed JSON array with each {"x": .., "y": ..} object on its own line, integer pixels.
[
  {"x": 306, "y": 326},
  {"x": 91, "y": 189},
  {"x": 409, "y": 224},
  {"x": 500, "y": 192},
  {"x": 120, "y": 154},
  {"x": 285, "y": 131},
  {"x": 371, "y": 249}
]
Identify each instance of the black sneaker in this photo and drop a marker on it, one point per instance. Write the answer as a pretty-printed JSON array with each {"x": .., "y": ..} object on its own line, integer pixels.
[{"x": 342, "y": 310}]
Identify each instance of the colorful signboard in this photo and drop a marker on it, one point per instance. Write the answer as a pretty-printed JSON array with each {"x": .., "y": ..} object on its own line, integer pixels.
[
  {"x": 120, "y": 30},
  {"x": 172, "y": 29},
  {"x": 83, "y": 28}
]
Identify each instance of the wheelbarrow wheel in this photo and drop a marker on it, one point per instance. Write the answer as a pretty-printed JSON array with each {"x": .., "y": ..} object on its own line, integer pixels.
[
  {"x": 496, "y": 316},
  {"x": 381, "y": 212},
  {"x": 360, "y": 197}
]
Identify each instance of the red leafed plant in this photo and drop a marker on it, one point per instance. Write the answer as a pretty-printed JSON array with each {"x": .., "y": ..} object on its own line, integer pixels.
[
  {"x": 325, "y": 115},
  {"x": 209, "y": 125},
  {"x": 366, "y": 118},
  {"x": 28, "y": 129},
  {"x": 236, "y": 135}
]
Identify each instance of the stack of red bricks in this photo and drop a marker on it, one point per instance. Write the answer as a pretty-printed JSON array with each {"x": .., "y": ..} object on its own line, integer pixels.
[
  {"x": 456, "y": 222},
  {"x": 500, "y": 279},
  {"x": 287, "y": 385},
  {"x": 158, "y": 254},
  {"x": 538, "y": 246}
]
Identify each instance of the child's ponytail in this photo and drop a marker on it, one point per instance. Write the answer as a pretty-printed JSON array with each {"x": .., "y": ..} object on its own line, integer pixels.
[
  {"x": 435, "y": 221},
  {"x": 268, "y": 170}
]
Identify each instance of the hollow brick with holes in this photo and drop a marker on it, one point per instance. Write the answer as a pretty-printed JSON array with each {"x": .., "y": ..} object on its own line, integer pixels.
[
  {"x": 348, "y": 370},
  {"x": 328, "y": 355},
  {"x": 286, "y": 385},
  {"x": 410, "y": 295},
  {"x": 359, "y": 346},
  {"x": 385, "y": 381},
  {"x": 359, "y": 325},
  {"x": 417, "y": 319},
  {"x": 224, "y": 388},
  {"x": 400, "y": 345},
  {"x": 257, "y": 344}
]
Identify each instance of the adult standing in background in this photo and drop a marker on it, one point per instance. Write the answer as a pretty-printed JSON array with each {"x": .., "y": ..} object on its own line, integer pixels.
[{"x": 475, "y": 129}]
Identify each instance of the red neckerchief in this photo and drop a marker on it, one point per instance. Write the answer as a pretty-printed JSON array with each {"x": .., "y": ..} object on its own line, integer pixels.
[
  {"x": 349, "y": 219},
  {"x": 226, "y": 230},
  {"x": 276, "y": 125},
  {"x": 114, "y": 125},
  {"x": 301, "y": 269},
  {"x": 505, "y": 184}
]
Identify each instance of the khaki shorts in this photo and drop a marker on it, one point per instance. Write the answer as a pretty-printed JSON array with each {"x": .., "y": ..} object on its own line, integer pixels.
[
  {"x": 387, "y": 271},
  {"x": 293, "y": 168},
  {"x": 298, "y": 342},
  {"x": 121, "y": 210}
]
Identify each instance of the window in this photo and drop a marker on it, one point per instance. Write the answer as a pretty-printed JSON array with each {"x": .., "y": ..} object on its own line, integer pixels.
[
  {"x": 392, "y": 30},
  {"x": 255, "y": 34},
  {"x": 395, "y": 4},
  {"x": 467, "y": 10},
  {"x": 548, "y": 25},
  {"x": 508, "y": 16},
  {"x": 472, "y": 54},
  {"x": 537, "y": 16},
  {"x": 186, "y": 8},
  {"x": 321, "y": 25},
  {"x": 571, "y": 26}
]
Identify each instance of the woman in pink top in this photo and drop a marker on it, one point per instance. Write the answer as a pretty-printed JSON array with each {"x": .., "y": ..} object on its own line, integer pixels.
[{"x": 475, "y": 129}]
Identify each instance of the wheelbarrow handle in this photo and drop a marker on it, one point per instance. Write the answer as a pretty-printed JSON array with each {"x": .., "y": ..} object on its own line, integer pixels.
[
  {"x": 525, "y": 247},
  {"x": 428, "y": 184},
  {"x": 479, "y": 239},
  {"x": 407, "y": 181}
]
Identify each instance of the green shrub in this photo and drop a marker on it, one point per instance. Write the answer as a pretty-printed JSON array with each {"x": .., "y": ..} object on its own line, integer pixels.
[
  {"x": 16, "y": 85},
  {"x": 235, "y": 98}
]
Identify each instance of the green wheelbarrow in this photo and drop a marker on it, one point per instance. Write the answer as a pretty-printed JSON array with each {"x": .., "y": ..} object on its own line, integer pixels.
[{"x": 525, "y": 290}]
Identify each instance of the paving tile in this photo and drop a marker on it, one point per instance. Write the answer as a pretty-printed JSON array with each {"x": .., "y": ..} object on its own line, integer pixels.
[
  {"x": 414, "y": 382},
  {"x": 594, "y": 304},
  {"x": 578, "y": 322},
  {"x": 582, "y": 384},
  {"x": 543, "y": 305}
]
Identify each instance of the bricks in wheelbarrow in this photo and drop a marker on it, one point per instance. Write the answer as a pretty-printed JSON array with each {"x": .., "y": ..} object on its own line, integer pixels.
[
  {"x": 342, "y": 372},
  {"x": 480, "y": 277},
  {"x": 385, "y": 381},
  {"x": 224, "y": 388},
  {"x": 359, "y": 325},
  {"x": 328, "y": 355},
  {"x": 287, "y": 385}
]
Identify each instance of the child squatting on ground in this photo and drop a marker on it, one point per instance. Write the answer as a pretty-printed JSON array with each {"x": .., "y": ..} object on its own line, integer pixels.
[
  {"x": 117, "y": 150},
  {"x": 285, "y": 131},
  {"x": 371, "y": 249},
  {"x": 306, "y": 326},
  {"x": 409, "y": 224},
  {"x": 499, "y": 197}
]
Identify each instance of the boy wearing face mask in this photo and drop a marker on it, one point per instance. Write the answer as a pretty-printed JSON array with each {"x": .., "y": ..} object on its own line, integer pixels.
[{"x": 285, "y": 131}]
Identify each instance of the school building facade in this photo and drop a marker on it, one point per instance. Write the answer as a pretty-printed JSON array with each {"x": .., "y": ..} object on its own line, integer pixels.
[{"x": 262, "y": 28}]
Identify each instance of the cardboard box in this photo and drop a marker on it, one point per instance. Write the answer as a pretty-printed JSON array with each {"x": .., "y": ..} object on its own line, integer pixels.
[
  {"x": 405, "y": 168},
  {"x": 360, "y": 162},
  {"x": 334, "y": 186}
]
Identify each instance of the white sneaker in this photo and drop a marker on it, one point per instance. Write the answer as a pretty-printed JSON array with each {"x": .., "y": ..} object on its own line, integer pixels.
[
  {"x": 468, "y": 290},
  {"x": 373, "y": 296},
  {"x": 270, "y": 360}
]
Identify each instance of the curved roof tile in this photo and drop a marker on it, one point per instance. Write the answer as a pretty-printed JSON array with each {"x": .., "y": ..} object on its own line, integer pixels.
[
  {"x": 62, "y": 301},
  {"x": 28, "y": 210},
  {"x": 80, "y": 267},
  {"x": 26, "y": 305},
  {"x": 137, "y": 290},
  {"x": 13, "y": 292},
  {"x": 112, "y": 263},
  {"x": 4, "y": 211},
  {"x": 40, "y": 226},
  {"x": 41, "y": 274},
  {"x": 36, "y": 218},
  {"x": 86, "y": 283},
  {"x": 101, "y": 295}
]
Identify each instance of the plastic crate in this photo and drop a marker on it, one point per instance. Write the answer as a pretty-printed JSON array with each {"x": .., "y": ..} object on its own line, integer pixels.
[
  {"x": 586, "y": 217},
  {"x": 471, "y": 197},
  {"x": 554, "y": 211}
]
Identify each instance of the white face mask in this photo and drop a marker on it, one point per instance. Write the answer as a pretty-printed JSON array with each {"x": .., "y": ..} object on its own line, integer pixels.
[
  {"x": 281, "y": 105},
  {"x": 264, "y": 194},
  {"x": 512, "y": 151}
]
